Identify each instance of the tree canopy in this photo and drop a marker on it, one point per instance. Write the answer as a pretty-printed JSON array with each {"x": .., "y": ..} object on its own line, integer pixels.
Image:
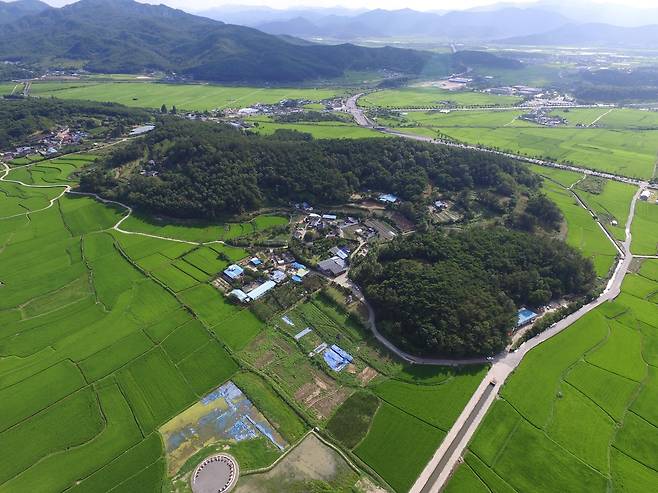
[
  {"x": 210, "y": 170},
  {"x": 457, "y": 294},
  {"x": 22, "y": 118}
]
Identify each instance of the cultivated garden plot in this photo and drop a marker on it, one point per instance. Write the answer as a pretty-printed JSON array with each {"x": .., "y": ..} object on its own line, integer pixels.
[
  {"x": 576, "y": 414},
  {"x": 361, "y": 402}
]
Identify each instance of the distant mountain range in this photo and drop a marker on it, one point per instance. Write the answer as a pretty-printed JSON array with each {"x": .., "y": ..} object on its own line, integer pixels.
[
  {"x": 458, "y": 25},
  {"x": 117, "y": 36},
  {"x": 590, "y": 12},
  {"x": 545, "y": 22},
  {"x": 10, "y": 12},
  {"x": 594, "y": 35}
]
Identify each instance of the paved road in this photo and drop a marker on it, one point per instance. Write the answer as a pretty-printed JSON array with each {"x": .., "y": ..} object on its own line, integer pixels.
[
  {"x": 438, "y": 470},
  {"x": 362, "y": 120},
  {"x": 525, "y": 107},
  {"x": 441, "y": 465}
]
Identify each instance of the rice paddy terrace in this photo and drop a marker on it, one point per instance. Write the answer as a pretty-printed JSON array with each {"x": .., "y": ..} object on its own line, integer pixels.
[
  {"x": 113, "y": 340},
  {"x": 112, "y": 335}
]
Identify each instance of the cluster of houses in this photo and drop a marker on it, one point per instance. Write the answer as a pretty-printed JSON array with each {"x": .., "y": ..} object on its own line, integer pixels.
[
  {"x": 544, "y": 117},
  {"x": 337, "y": 264},
  {"x": 149, "y": 169},
  {"x": 49, "y": 145},
  {"x": 282, "y": 107},
  {"x": 518, "y": 90},
  {"x": 266, "y": 276},
  {"x": 327, "y": 224}
]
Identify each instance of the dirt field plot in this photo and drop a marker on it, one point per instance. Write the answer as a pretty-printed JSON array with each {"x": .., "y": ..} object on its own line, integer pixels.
[
  {"x": 311, "y": 462},
  {"x": 222, "y": 415}
]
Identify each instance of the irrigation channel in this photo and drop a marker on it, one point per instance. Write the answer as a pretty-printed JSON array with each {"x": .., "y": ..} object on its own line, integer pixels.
[{"x": 437, "y": 472}]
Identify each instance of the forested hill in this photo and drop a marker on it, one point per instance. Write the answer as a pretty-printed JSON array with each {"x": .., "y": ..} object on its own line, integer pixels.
[
  {"x": 11, "y": 11},
  {"x": 457, "y": 294},
  {"x": 23, "y": 119},
  {"x": 127, "y": 37},
  {"x": 209, "y": 170}
]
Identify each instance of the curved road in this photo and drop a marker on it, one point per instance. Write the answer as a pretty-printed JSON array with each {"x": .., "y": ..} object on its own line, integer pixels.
[
  {"x": 69, "y": 190},
  {"x": 441, "y": 465}
]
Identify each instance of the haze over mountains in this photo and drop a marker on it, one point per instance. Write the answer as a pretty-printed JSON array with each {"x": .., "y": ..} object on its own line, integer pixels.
[
  {"x": 116, "y": 36},
  {"x": 547, "y": 22},
  {"x": 123, "y": 36},
  {"x": 453, "y": 25},
  {"x": 592, "y": 35},
  {"x": 10, "y": 12}
]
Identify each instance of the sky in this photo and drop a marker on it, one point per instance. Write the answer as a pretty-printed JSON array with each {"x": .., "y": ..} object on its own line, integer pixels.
[{"x": 196, "y": 5}]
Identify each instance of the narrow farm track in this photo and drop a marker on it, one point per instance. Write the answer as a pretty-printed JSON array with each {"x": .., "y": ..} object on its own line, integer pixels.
[
  {"x": 435, "y": 475},
  {"x": 598, "y": 119},
  {"x": 69, "y": 190}
]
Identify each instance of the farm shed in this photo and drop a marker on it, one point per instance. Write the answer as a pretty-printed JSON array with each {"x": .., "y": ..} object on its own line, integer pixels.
[
  {"x": 258, "y": 292},
  {"x": 233, "y": 271},
  {"x": 239, "y": 295},
  {"x": 525, "y": 317}
]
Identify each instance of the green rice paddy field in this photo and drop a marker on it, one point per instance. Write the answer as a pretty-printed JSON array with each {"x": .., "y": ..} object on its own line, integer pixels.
[
  {"x": 201, "y": 232},
  {"x": 194, "y": 97},
  {"x": 433, "y": 97},
  {"x": 56, "y": 171},
  {"x": 579, "y": 413},
  {"x": 623, "y": 141},
  {"x": 645, "y": 229},
  {"x": 583, "y": 233},
  {"x": 7, "y": 88},
  {"x": 104, "y": 336},
  {"x": 412, "y": 420}
]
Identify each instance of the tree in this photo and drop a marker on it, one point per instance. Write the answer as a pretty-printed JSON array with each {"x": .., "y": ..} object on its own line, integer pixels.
[
  {"x": 174, "y": 110},
  {"x": 163, "y": 109},
  {"x": 457, "y": 294}
]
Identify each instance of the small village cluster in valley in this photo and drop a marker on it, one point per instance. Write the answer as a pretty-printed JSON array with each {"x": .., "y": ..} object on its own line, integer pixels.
[{"x": 47, "y": 145}]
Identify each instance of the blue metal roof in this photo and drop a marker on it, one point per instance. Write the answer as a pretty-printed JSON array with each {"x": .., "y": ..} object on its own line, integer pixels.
[
  {"x": 525, "y": 316},
  {"x": 234, "y": 271}
]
